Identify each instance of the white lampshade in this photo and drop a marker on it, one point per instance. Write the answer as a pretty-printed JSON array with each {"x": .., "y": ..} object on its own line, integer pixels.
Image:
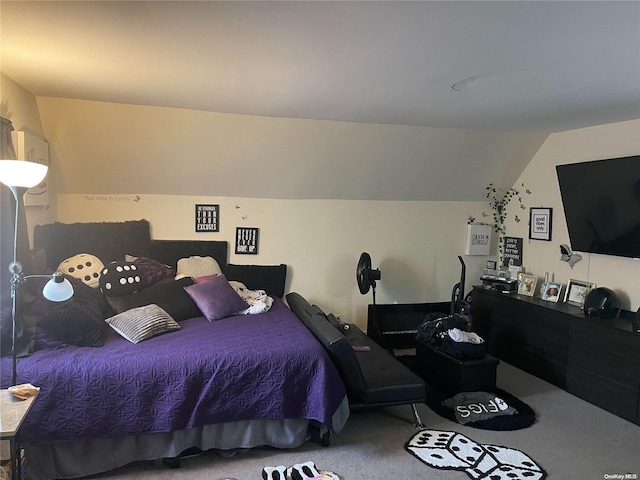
[
  {"x": 20, "y": 173},
  {"x": 58, "y": 289}
]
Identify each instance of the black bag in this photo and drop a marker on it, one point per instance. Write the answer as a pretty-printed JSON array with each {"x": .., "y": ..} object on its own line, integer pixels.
[
  {"x": 435, "y": 326},
  {"x": 462, "y": 350}
]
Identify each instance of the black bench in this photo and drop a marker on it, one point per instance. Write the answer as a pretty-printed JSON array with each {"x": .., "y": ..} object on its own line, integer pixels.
[{"x": 372, "y": 376}]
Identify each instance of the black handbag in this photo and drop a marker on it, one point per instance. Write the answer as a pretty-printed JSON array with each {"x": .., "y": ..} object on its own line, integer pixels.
[{"x": 435, "y": 326}]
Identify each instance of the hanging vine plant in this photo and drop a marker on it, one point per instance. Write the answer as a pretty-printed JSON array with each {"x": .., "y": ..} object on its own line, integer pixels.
[{"x": 499, "y": 200}]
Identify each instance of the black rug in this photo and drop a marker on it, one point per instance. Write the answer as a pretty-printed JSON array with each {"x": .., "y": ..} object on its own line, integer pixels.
[
  {"x": 455, "y": 451},
  {"x": 523, "y": 419}
]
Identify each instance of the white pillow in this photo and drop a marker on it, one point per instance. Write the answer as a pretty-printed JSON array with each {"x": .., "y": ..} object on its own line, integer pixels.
[
  {"x": 196, "y": 266},
  {"x": 84, "y": 267}
]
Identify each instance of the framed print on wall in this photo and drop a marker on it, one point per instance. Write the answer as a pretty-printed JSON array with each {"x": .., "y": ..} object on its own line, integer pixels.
[
  {"x": 576, "y": 292},
  {"x": 540, "y": 223},
  {"x": 207, "y": 218},
  {"x": 247, "y": 240},
  {"x": 478, "y": 239}
]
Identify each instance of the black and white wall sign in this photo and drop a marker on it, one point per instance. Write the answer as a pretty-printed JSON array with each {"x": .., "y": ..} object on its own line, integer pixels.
[
  {"x": 512, "y": 251},
  {"x": 207, "y": 218},
  {"x": 247, "y": 240}
]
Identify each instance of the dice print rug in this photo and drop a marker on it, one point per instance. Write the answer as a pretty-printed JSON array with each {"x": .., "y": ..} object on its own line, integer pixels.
[{"x": 454, "y": 451}]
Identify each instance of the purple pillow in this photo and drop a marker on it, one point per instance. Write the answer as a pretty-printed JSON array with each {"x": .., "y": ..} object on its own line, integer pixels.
[
  {"x": 216, "y": 299},
  {"x": 151, "y": 271}
]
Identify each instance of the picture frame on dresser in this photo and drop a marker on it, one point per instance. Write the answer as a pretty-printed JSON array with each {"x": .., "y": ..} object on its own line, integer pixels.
[
  {"x": 528, "y": 285},
  {"x": 552, "y": 292},
  {"x": 577, "y": 291}
]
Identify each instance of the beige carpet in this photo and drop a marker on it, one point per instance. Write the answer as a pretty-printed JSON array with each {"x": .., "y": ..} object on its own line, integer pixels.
[{"x": 571, "y": 439}]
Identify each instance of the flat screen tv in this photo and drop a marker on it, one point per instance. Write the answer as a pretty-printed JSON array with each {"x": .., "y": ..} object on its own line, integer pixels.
[{"x": 601, "y": 202}]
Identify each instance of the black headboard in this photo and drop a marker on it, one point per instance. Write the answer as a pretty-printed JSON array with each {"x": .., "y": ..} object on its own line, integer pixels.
[
  {"x": 170, "y": 251},
  {"x": 113, "y": 240}
]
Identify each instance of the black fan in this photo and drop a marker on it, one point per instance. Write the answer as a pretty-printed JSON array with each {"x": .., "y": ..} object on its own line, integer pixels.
[{"x": 366, "y": 276}]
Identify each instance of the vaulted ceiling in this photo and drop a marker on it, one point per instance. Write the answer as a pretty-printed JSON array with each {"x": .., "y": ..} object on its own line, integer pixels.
[
  {"x": 499, "y": 75},
  {"x": 518, "y": 66}
]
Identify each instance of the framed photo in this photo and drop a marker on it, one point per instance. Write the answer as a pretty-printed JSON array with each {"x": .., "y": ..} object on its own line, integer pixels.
[
  {"x": 576, "y": 292},
  {"x": 528, "y": 285},
  {"x": 540, "y": 223},
  {"x": 207, "y": 218},
  {"x": 552, "y": 292}
]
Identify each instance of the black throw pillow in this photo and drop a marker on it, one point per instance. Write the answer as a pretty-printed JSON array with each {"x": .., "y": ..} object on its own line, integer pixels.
[
  {"x": 169, "y": 295},
  {"x": 78, "y": 321}
]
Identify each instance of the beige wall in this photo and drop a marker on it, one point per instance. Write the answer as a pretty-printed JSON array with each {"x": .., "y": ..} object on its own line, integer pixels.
[
  {"x": 21, "y": 107},
  {"x": 606, "y": 141},
  {"x": 415, "y": 243},
  {"x": 116, "y": 148}
]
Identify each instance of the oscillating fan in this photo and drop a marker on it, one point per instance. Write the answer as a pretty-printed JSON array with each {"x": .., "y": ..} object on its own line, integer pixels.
[{"x": 366, "y": 276}]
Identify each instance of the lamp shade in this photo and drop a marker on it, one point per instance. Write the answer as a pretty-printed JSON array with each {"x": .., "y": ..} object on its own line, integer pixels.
[
  {"x": 58, "y": 289},
  {"x": 21, "y": 173}
]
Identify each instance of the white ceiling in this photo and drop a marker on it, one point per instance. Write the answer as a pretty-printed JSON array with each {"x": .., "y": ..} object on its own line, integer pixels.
[{"x": 538, "y": 66}]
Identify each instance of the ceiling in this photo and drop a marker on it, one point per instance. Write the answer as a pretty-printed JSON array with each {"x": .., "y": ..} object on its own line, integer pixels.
[{"x": 516, "y": 66}]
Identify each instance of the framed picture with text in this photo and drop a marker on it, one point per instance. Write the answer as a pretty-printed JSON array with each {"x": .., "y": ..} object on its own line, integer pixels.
[
  {"x": 540, "y": 223},
  {"x": 247, "y": 240},
  {"x": 207, "y": 218}
]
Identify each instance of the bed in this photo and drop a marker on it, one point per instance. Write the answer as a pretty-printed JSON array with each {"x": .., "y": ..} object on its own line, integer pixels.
[{"x": 239, "y": 381}]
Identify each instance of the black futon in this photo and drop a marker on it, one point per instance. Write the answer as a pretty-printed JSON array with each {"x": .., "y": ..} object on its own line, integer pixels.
[{"x": 372, "y": 376}]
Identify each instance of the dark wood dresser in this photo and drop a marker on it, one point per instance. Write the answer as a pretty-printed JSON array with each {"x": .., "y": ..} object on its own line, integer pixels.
[{"x": 596, "y": 360}]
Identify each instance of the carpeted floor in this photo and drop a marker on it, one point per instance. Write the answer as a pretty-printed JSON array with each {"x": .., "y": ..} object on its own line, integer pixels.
[{"x": 570, "y": 440}]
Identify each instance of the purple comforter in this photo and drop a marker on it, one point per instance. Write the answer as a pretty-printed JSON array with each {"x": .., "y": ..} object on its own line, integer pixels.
[{"x": 266, "y": 366}]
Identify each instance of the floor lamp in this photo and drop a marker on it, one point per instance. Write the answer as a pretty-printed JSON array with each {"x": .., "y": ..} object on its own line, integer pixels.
[{"x": 20, "y": 176}]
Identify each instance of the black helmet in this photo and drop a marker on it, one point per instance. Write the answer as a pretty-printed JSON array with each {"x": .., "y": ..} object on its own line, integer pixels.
[{"x": 601, "y": 302}]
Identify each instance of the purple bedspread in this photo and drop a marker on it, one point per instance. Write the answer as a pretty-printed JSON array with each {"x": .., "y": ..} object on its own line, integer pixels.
[{"x": 266, "y": 366}]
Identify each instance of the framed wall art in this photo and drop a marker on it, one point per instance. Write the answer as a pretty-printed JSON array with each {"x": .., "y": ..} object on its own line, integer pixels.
[
  {"x": 478, "y": 239},
  {"x": 247, "y": 240},
  {"x": 540, "y": 223},
  {"x": 576, "y": 292},
  {"x": 207, "y": 218},
  {"x": 512, "y": 251}
]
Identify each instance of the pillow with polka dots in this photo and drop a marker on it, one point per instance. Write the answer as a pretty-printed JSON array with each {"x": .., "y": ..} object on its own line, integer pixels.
[
  {"x": 120, "y": 278},
  {"x": 84, "y": 267}
]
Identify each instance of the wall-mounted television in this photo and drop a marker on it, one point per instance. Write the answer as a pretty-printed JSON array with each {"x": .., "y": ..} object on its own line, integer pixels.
[{"x": 601, "y": 202}]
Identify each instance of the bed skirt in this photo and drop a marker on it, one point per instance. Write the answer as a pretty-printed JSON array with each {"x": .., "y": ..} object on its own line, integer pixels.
[{"x": 80, "y": 458}]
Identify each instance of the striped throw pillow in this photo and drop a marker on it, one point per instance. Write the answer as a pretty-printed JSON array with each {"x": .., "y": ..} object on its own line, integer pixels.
[{"x": 141, "y": 323}]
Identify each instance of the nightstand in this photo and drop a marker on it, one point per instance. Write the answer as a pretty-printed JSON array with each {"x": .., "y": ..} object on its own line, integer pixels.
[{"x": 12, "y": 413}]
